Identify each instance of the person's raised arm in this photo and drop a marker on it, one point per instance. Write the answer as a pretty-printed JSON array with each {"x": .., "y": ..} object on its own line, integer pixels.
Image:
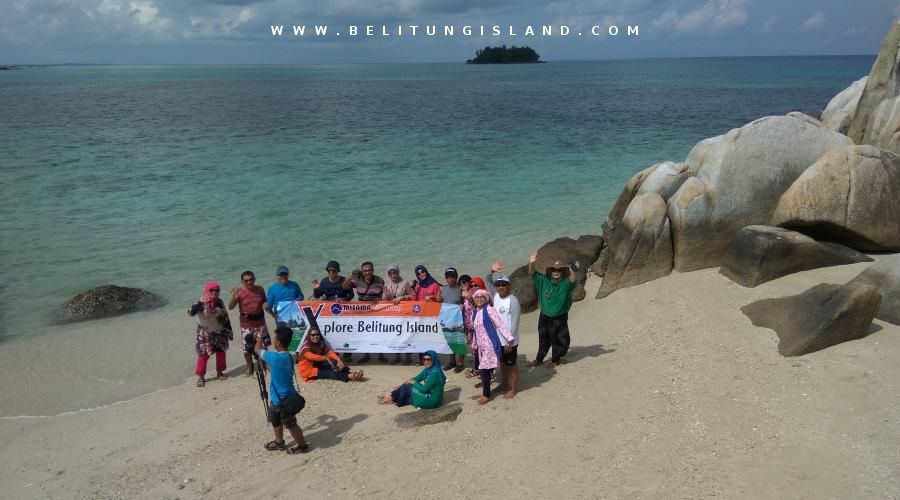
[
  {"x": 348, "y": 282},
  {"x": 235, "y": 295},
  {"x": 531, "y": 262},
  {"x": 572, "y": 271}
]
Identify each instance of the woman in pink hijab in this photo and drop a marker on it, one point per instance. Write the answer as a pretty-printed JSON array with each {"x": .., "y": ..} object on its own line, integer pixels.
[
  {"x": 488, "y": 326},
  {"x": 213, "y": 331}
]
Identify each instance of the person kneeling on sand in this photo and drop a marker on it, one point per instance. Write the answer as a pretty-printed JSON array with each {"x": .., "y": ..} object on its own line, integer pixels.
[
  {"x": 318, "y": 361},
  {"x": 489, "y": 327},
  {"x": 425, "y": 390},
  {"x": 555, "y": 296},
  {"x": 286, "y": 402}
]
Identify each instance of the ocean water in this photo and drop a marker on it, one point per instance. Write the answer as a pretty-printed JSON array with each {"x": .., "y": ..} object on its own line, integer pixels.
[{"x": 163, "y": 177}]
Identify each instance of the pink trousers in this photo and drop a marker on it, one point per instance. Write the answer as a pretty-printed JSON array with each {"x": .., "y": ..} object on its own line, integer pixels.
[{"x": 203, "y": 358}]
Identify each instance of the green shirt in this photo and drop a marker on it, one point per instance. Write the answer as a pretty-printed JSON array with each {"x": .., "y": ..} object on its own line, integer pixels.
[
  {"x": 428, "y": 393},
  {"x": 556, "y": 298}
]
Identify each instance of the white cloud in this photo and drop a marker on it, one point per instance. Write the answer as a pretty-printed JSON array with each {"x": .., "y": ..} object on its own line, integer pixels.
[
  {"x": 816, "y": 21},
  {"x": 713, "y": 15},
  {"x": 769, "y": 24}
]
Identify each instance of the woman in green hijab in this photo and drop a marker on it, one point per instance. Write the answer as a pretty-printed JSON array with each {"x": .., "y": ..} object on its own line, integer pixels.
[{"x": 425, "y": 390}]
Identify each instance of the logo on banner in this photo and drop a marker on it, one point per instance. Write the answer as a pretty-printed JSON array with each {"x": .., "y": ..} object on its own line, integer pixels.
[
  {"x": 417, "y": 308},
  {"x": 336, "y": 309}
]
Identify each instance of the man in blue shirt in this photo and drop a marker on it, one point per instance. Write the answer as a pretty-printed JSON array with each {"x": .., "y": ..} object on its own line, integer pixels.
[
  {"x": 283, "y": 290},
  {"x": 281, "y": 387}
]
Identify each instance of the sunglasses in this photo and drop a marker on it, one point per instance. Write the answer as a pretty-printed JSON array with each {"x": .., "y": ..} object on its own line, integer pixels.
[
  {"x": 314, "y": 335},
  {"x": 214, "y": 290},
  {"x": 426, "y": 359},
  {"x": 557, "y": 269},
  {"x": 501, "y": 284}
]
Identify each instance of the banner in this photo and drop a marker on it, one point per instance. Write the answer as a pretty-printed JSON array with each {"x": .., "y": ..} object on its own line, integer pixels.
[{"x": 378, "y": 327}]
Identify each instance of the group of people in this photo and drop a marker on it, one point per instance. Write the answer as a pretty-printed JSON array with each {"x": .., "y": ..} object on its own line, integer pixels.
[{"x": 491, "y": 316}]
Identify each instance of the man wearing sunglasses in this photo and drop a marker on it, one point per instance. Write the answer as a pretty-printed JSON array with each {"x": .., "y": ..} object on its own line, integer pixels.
[{"x": 554, "y": 290}]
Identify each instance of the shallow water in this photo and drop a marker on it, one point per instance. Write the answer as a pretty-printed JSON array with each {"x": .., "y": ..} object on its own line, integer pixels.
[{"x": 165, "y": 177}]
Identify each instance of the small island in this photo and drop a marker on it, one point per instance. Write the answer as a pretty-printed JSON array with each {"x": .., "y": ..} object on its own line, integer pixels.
[{"x": 505, "y": 55}]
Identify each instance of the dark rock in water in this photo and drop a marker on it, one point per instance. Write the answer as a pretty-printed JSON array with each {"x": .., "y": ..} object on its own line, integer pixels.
[
  {"x": 5, "y": 68},
  {"x": 763, "y": 253},
  {"x": 885, "y": 277},
  {"x": 823, "y": 316},
  {"x": 422, "y": 418},
  {"x": 108, "y": 300}
]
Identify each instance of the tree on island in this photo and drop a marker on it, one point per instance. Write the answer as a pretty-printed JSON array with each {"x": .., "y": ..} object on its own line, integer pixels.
[{"x": 504, "y": 55}]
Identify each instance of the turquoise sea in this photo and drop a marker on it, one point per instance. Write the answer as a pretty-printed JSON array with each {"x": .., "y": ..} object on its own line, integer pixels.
[{"x": 162, "y": 177}]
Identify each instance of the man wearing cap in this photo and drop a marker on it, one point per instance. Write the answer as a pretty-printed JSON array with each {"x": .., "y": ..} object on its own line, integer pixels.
[
  {"x": 510, "y": 311},
  {"x": 555, "y": 295},
  {"x": 283, "y": 290},
  {"x": 331, "y": 286}
]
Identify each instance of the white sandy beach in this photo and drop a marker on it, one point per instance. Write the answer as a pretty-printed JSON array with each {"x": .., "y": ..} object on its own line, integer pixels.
[{"x": 669, "y": 392}]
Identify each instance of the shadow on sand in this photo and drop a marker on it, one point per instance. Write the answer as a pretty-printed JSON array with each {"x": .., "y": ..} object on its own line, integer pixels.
[
  {"x": 530, "y": 378},
  {"x": 328, "y": 431}
]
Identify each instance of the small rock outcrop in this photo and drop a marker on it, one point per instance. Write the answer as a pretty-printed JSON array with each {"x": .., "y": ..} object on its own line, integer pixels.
[
  {"x": 421, "y": 418},
  {"x": 108, "y": 300},
  {"x": 740, "y": 176},
  {"x": 884, "y": 275},
  {"x": 641, "y": 246},
  {"x": 763, "y": 253},
  {"x": 841, "y": 108},
  {"x": 850, "y": 195},
  {"x": 877, "y": 117},
  {"x": 823, "y": 316}
]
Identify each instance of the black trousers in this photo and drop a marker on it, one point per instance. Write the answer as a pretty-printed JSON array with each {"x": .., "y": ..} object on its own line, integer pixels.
[{"x": 553, "y": 333}]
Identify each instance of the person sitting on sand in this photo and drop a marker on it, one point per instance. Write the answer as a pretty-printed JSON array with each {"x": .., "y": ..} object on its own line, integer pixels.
[
  {"x": 318, "y": 361},
  {"x": 555, "y": 296},
  {"x": 281, "y": 389},
  {"x": 213, "y": 331},
  {"x": 510, "y": 311},
  {"x": 252, "y": 301},
  {"x": 425, "y": 390},
  {"x": 489, "y": 327},
  {"x": 397, "y": 289}
]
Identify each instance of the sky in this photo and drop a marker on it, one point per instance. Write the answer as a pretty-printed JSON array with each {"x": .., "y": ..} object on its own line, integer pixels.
[{"x": 240, "y": 31}]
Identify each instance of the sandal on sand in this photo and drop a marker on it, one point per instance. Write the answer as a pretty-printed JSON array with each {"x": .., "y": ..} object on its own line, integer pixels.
[
  {"x": 275, "y": 445},
  {"x": 201, "y": 382},
  {"x": 532, "y": 363},
  {"x": 459, "y": 368},
  {"x": 471, "y": 373},
  {"x": 449, "y": 367},
  {"x": 355, "y": 376},
  {"x": 300, "y": 448},
  {"x": 483, "y": 400},
  {"x": 221, "y": 376}
]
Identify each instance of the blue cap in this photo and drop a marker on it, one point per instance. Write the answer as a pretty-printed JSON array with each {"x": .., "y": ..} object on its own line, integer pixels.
[{"x": 282, "y": 269}]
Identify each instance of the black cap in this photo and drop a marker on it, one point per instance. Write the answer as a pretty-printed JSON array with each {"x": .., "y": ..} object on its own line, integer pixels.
[
  {"x": 333, "y": 264},
  {"x": 450, "y": 271}
]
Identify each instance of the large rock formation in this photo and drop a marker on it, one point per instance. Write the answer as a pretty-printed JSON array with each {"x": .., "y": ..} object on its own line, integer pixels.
[
  {"x": 763, "y": 253},
  {"x": 641, "y": 245},
  {"x": 823, "y": 316},
  {"x": 885, "y": 277},
  {"x": 850, "y": 195},
  {"x": 877, "y": 117},
  {"x": 108, "y": 300},
  {"x": 739, "y": 178},
  {"x": 841, "y": 108}
]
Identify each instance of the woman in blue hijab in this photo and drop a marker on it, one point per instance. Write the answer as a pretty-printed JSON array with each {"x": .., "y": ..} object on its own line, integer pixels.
[{"x": 425, "y": 390}]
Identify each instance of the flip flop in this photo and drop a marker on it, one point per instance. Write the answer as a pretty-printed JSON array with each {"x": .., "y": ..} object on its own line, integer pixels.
[
  {"x": 221, "y": 376},
  {"x": 201, "y": 382},
  {"x": 298, "y": 449},
  {"x": 275, "y": 445},
  {"x": 471, "y": 373}
]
